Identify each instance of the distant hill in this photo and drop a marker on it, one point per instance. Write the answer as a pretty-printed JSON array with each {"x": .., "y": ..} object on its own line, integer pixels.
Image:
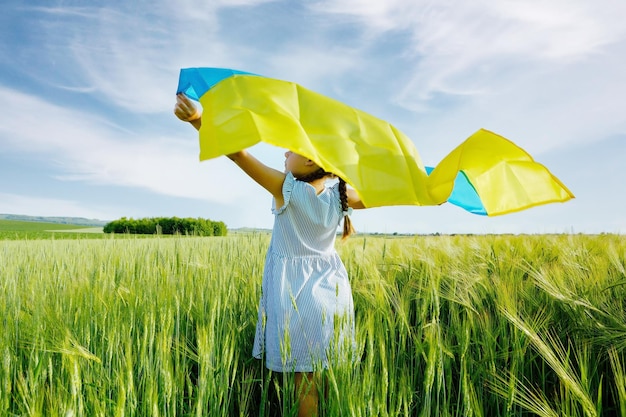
[{"x": 79, "y": 221}]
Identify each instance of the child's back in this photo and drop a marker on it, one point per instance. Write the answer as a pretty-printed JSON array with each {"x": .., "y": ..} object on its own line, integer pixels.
[{"x": 305, "y": 286}]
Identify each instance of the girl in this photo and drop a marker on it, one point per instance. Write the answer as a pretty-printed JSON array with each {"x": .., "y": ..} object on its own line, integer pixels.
[{"x": 306, "y": 312}]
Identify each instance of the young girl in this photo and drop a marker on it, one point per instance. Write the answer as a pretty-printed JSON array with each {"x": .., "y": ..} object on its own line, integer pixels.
[{"x": 306, "y": 312}]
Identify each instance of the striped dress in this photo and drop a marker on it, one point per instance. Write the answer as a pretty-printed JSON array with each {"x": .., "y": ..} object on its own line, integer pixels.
[{"x": 306, "y": 312}]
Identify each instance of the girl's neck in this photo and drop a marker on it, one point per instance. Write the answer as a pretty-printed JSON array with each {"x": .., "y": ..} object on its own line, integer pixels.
[{"x": 318, "y": 184}]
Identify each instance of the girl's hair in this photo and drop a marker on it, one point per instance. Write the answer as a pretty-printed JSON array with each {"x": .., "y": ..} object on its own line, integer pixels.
[{"x": 343, "y": 197}]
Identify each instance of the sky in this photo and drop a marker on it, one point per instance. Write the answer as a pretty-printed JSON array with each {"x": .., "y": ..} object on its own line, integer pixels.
[{"x": 87, "y": 90}]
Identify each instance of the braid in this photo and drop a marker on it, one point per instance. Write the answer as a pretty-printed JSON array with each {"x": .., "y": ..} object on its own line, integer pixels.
[
  {"x": 343, "y": 197},
  {"x": 347, "y": 223},
  {"x": 315, "y": 175}
]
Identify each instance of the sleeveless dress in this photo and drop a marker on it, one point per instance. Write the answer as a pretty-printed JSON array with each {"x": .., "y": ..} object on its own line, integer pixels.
[{"x": 306, "y": 311}]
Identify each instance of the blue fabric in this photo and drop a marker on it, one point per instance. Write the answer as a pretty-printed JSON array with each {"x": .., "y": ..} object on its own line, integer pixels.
[
  {"x": 306, "y": 312},
  {"x": 464, "y": 195},
  {"x": 194, "y": 82}
]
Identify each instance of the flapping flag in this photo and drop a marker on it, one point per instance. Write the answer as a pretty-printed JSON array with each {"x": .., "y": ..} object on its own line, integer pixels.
[{"x": 486, "y": 174}]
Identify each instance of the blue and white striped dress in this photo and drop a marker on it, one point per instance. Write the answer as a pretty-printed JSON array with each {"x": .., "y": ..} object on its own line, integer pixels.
[{"x": 306, "y": 312}]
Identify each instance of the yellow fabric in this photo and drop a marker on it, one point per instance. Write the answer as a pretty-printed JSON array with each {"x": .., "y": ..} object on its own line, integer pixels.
[
  {"x": 506, "y": 177},
  {"x": 375, "y": 158}
]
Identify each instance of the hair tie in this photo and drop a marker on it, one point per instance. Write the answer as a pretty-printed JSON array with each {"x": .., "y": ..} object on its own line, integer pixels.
[{"x": 347, "y": 212}]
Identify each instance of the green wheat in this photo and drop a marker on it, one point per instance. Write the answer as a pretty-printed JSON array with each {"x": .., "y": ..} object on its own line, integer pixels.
[{"x": 446, "y": 326}]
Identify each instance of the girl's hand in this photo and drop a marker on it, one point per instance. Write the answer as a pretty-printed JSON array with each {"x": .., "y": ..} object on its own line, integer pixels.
[{"x": 185, "y": 110}]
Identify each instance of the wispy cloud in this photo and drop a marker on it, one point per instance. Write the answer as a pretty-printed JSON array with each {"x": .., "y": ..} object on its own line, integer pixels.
[
  {"x": 90, "y": 88},
  {"x": 463, "y": 46},
  {"x": 126, "y": 54},
  {"x": 88, "y": 148},
  {"x": 36, "y": 206},
  {"x": 546, "y": 64}
]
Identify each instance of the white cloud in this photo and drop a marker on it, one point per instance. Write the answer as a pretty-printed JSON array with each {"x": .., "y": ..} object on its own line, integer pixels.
[
  {"x": 91, "y": 149},
  {"x": 545, "y": 74},
  {"x": 126, "y": 55},
  {"x": 548, "y": 74},
  {"x": 458, "y": 45},
  {"x": 464, "y": 46},
  {"x": 555, "y": 29},
  {"x": 323, "y": 65},
  {"x": 35, "y": 206}
]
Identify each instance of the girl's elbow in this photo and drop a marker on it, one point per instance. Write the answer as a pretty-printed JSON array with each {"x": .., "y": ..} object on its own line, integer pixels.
[
  {"x": 354, "y": 200},
  {"x": 235, "y": 156}
]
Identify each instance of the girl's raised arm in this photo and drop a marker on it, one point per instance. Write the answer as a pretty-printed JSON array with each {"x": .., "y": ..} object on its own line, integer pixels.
[
  {"x": 269, "y": 178},
  {"x": 354, "y": 200}
]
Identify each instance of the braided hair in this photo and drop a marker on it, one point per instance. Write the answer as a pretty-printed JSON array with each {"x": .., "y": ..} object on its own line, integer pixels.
[{"x": 343, "y": 197}]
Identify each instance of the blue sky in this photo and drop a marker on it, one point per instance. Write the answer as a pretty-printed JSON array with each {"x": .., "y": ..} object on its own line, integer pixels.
[{"x": 87, "y": 91}]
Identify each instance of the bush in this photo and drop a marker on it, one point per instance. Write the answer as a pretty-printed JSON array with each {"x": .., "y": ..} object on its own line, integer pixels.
[{"x": 167, "y": 226}]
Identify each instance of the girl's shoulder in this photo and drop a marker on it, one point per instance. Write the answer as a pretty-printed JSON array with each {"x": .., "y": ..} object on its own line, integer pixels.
[{"x": 288, "y": 185}]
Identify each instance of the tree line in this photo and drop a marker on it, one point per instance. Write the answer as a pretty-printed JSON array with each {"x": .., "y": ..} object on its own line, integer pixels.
[{"x": 167, "y": 226}]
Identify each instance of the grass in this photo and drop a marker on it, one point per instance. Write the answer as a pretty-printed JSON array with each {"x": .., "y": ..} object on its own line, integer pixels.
[
  {"x": 446, "y": 326},
  {"x": 24, "y": 226},
  {"x": 22, "y": 230}
]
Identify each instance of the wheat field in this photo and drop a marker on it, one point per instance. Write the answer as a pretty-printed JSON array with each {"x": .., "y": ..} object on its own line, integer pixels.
[{"x": 446, "y": 326}]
